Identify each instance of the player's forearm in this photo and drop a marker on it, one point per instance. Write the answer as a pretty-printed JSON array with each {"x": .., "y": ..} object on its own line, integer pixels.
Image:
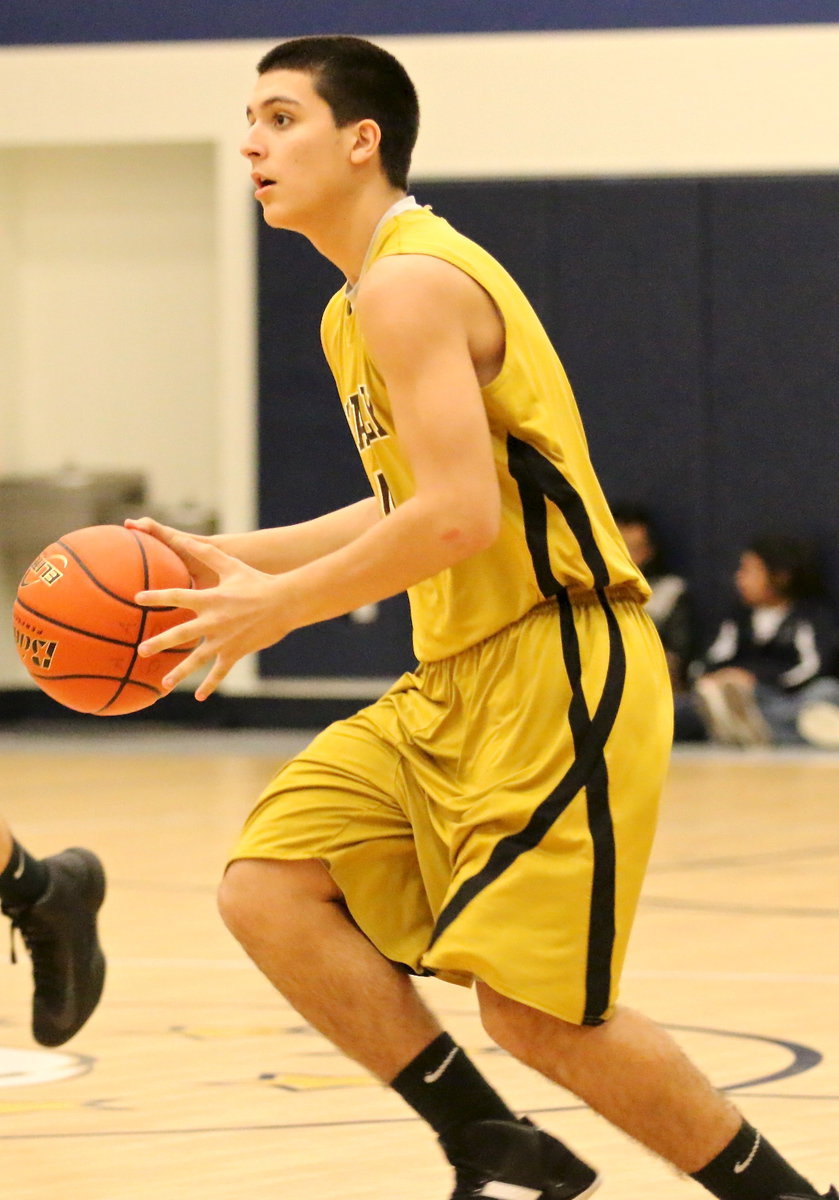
[
  {"x": 414, "y": 542},
  {"x": 287, "y": 547}
]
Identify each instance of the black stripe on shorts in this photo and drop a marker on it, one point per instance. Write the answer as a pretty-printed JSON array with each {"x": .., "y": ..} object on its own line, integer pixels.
[
  {"x": 601, "y": 935},
  {"x": 587, "y": 771},
  {"x": 538, "y": 481}
]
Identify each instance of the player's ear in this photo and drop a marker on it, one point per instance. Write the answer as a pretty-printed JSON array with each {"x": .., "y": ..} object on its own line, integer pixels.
[{"x": 366, "y": 141}]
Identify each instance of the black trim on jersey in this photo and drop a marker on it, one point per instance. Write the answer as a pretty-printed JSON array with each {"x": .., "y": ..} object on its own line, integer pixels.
[
  {"x": 539, "y": 480},
  {"x": 587, "y": 771}
]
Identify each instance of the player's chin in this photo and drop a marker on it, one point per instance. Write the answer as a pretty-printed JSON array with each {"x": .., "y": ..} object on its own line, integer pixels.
[
  {"x": 272, "y": 215},
  {"x": 278, "y": 217}
]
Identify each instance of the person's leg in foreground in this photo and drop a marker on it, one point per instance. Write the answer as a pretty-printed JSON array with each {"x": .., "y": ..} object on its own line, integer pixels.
[
  {"x": 628, "y": 1069},
  {"x": 621, "y": 1064},
  {"x": 54, "y": 903}
]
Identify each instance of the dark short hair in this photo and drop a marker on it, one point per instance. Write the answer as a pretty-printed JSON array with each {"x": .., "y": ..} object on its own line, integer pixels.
[
  {"x": 629, "y": 513},
  {"x": 626, "y": 513},
  {"x": 792, "y": 563},
  {"x": 358, "y": 81}
]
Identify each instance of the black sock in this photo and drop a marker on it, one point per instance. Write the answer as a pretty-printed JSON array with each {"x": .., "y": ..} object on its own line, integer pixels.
[
  {"x": 750, "y": 1169},
  {"x": 447, "y": 1090},
  {"x": 24, "y": 879}
]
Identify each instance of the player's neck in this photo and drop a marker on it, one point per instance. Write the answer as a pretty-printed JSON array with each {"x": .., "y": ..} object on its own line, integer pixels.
[{"x": 345, "y": 238}]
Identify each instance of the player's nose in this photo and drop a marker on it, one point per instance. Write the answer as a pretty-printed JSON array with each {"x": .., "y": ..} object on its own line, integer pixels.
[{"x": 251, "y": 146}]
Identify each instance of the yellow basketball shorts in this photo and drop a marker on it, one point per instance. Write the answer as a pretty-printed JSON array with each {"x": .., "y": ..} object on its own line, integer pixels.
[{"x": 491, "y": 816}]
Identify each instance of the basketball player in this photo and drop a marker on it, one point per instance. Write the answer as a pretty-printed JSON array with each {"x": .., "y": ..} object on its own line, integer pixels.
[
  {"x": 54, "y": 903},
  {"x": 489, "y": 819}
]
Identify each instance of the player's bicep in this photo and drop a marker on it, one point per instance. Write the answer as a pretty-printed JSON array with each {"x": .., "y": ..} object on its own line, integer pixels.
[{"x": 415, "y": 329}]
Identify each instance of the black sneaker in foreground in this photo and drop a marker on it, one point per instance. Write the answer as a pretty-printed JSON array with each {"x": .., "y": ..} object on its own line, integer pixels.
[
  {"x": 830, "y": 1195},
  {"x": 59, "y": 931},
  {"x": 513, "y": 1160}
]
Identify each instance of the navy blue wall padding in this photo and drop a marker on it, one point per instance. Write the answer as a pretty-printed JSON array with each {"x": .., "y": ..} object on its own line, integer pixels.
[
  {"x": 773, "y": 402},
  {"x": 696, "y": 320},
  {"x": 67, "y": 21}
]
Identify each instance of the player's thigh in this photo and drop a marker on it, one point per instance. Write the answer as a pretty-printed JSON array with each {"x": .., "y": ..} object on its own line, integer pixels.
[
  {"x": 563, "y": 805},
  {"x": 341, "y": 803}
]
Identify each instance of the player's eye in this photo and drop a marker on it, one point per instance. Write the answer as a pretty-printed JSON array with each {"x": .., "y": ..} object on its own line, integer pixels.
[{"x": 281, "y": 119}]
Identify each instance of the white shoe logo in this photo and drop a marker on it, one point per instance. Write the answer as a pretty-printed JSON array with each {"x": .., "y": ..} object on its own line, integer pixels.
[
  {"x": 433, "y": 1076},
  {"x": 18, "y": 871},
  {"x": 740, "y": 1167},
  {"x": 495, "y": 1190}
]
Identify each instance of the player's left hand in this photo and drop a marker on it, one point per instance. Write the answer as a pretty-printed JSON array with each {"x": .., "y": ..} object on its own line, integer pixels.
[{"x": 241, "y": 614}]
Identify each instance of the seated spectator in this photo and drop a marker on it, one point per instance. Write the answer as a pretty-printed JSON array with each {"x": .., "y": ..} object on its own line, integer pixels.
[
  {"x": 767, "y": 676},
  {"x": 670, "y": 604}
]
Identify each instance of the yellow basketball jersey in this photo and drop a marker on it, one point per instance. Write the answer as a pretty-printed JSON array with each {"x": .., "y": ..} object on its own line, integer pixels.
[{"x": 556, "y": 528}]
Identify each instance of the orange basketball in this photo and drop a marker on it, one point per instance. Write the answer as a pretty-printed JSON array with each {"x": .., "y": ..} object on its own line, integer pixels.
[{"x": 77, "y": 626}]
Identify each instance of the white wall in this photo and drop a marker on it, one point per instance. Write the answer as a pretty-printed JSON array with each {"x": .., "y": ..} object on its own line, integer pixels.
[
  {"x": 636, "y": 102},
  {"x": 115, "y": 307},
  {"x": 9, "y": 310},
  {"x": 126, "y": 220}
]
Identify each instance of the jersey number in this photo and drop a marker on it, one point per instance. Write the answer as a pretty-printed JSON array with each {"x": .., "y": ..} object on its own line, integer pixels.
[{"x": 384, "y": 493}]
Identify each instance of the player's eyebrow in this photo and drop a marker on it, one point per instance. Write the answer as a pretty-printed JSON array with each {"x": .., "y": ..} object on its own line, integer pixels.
[{"x": 271, "y": 101}]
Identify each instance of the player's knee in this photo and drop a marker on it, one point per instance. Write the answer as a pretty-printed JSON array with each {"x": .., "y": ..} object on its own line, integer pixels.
[
  {"x": 524, "y": 1033},
  {"x": 258, "y": 897},
  {"x": 238, "y": 899},
  {"x": 498, "y": 1018}
]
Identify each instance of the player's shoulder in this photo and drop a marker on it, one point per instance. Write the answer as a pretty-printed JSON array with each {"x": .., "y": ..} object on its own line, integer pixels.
[
  {"x": 412, "y": 282},
  {"x": 411, "y": 268}
]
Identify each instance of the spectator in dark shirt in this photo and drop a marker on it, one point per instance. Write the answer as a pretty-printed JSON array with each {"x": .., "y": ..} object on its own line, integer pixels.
[
  {"x": 670, "y": 604},
  {"x": 768, "y": 673}
]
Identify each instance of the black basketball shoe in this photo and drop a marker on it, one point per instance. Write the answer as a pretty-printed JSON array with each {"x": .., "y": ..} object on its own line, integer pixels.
[
  {"x": 830, "y": 1195},
  {"x": 59, "y": 931},
  {"x": 513, "y": 1160}
]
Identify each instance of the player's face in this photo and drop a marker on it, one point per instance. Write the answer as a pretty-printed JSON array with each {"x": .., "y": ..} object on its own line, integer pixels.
[{"x": 299, "y": 159}]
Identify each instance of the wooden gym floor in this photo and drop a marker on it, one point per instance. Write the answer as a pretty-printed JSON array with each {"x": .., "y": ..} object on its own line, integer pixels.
[{"x": 194, "y": 1081}]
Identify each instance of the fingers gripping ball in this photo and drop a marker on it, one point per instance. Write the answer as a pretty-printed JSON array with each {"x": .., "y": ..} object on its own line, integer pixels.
[{"x": 77, "y": 627}]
